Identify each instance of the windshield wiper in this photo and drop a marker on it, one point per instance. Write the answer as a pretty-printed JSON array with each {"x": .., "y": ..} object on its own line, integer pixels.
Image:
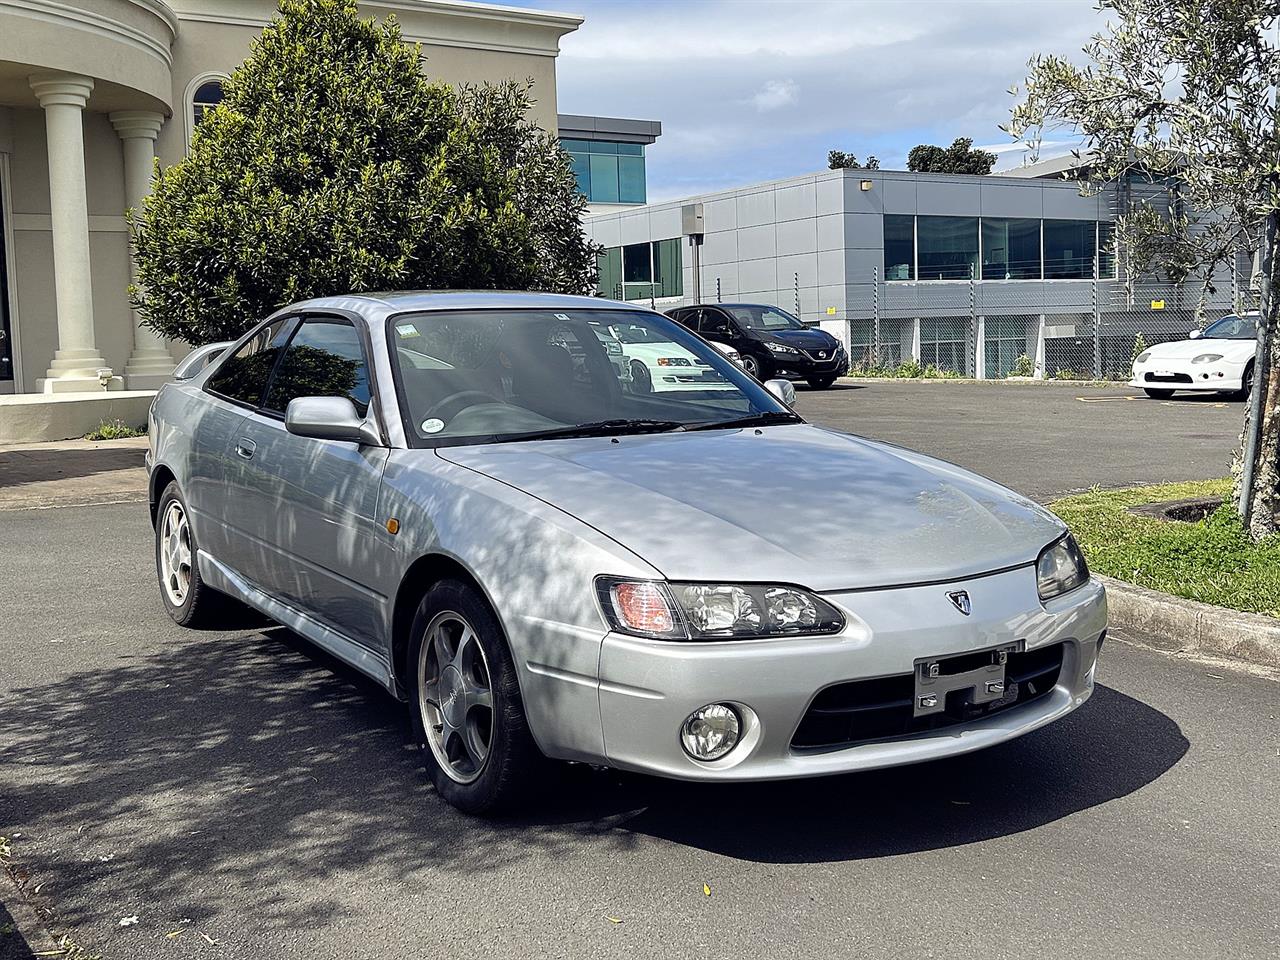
[
  {"x": 754, "y": 420},
  {"x": 599, "y": 428}
]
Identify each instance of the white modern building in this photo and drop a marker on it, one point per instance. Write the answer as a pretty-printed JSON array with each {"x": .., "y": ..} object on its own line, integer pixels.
[
  {"x": 965, "y": 272},
  {"x": 92, "y": 91}
]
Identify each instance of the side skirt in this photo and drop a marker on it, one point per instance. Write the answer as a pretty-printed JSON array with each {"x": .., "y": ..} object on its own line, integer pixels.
[{"x": 224, "y": 579}]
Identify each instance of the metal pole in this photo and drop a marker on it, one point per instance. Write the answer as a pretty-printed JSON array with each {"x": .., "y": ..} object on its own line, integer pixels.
[
  {"x": 1097, "y": 320},
  {"x": 875, "y": 316},
  {"x": 973, "y": 322},
  {"x": 717, "y": 289},
  {"x": 796, "y": 277}
]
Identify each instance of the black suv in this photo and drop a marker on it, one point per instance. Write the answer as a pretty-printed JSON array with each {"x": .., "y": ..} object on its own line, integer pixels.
[{"x": 771, "y": 342}]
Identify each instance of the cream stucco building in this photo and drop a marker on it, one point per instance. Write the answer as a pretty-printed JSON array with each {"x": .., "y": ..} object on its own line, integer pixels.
[{"x": 91, "y": 91}]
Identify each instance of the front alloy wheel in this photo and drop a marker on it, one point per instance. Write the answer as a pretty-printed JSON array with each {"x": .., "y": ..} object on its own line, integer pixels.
[
  {"x": 753, "y": 367},
  {"x": 184, "y": 593},
  {"x": 467, "y": 710},
  {"x": 456, "y": 697}
]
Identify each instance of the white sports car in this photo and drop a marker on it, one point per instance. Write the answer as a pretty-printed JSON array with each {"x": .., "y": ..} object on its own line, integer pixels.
[
  {"x": 1218, "y": 359},
  {"x": 658, "y": 365}
]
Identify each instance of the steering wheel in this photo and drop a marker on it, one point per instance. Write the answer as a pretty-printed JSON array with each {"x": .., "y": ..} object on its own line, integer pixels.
[{"x": 455, "y": 403}]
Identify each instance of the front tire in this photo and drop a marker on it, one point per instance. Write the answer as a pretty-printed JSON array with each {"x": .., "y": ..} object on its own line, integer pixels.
[
  {"x": 467, "y": 711},
  {"x": 641, "y": 378},
  {"x": 755, "y": 367},
  {"x": 187, "y": 599},
  {"x": 1158, "y": 394},
  {"x": 1246, "y": 383},
  {"x": 822, "y": 383}
]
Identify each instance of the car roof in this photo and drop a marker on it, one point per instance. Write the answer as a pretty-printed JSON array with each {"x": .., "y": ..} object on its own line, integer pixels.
[
  {"x": 404, "y": 301},
  {"x": 688, "y": 306}
]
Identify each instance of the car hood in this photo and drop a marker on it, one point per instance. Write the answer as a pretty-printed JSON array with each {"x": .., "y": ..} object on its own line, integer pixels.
[
  {"x": 795, "y": 504},
  {"x": 1186, "y": 349},
  {"x": 804, "y": 339}
]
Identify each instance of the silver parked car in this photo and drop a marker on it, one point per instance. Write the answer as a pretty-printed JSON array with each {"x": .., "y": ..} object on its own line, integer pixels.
[{"x": 456, "y": 494}]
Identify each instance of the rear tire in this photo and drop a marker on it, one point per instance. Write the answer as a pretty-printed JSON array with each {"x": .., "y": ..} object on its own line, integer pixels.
[
  {"x": 822, "y": 383},
  {"x": 468, "y": 714},
  {"x": 1158, "y": 394},
  {"x": 186, "y": 597}
]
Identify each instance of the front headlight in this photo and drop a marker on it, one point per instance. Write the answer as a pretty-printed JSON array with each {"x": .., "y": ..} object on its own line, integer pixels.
[
  {"x": 713, "y": 611},
  {"x": 1206, "y": 358},
  {"x": 1060, "y": 568},
  {"x": 780, "y": 348}
]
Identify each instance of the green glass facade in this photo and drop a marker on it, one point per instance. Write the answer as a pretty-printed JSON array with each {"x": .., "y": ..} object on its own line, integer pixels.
[
  {"x": 607, "y": 171},
  {"x": 641, "y": 271}
]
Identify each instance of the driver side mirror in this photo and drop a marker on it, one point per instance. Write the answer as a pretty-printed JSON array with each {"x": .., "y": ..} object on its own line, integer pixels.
[
  {"x": 330, "y": 418},
  {"x": 1195, "y": 334},
  {"x": 783, "y": 390}
]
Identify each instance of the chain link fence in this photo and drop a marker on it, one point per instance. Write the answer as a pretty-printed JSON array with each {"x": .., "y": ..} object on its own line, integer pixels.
[{"x": 1073, "y": 329}]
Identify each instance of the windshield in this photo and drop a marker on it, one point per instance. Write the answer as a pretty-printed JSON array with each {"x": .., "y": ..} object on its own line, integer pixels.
[
  {"x": 764, "y": 318},
  {"x": 1232, "y": 327},
  {"x": 487, "y": 376}
]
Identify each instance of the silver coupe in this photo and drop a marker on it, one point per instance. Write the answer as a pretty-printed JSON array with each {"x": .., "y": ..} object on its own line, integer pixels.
[{"x": 461, "y": 495}]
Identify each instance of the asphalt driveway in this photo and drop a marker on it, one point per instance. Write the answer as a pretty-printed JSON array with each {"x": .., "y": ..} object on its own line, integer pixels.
[
  {"x": 1043, "y": 440},
  {"x": 243, "y": 796}
]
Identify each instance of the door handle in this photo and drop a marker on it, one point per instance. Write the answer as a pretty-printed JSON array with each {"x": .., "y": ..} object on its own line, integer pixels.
[{"x": 245, "y": 448}]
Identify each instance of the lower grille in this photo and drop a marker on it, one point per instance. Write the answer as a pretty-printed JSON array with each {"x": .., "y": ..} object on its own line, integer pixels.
[
  {"x": 1168, "y": 378},
  {"x": 862, "y": 711}
]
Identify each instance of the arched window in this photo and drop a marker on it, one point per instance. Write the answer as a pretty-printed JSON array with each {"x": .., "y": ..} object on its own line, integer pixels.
[{"x": 207, "y": 96}]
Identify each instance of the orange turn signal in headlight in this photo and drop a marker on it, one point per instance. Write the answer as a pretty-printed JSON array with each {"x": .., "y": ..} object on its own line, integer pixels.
[{"x": 643, "y": 607}]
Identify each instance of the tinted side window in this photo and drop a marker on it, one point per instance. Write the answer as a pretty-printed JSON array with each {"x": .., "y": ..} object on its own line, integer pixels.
[
  {"x": 686, "y": 318},
  {"x": 244, "y": 376},
  {"x": 713, "y": 321},
  {"x": 324, "y": 359}
]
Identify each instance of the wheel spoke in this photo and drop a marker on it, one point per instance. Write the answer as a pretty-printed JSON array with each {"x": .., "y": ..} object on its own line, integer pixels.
[{"x": 479, "y": 697}]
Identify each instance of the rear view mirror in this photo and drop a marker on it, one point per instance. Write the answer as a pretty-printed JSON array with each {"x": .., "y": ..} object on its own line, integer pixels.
[
  {"x": 784, "y": 390},
  {"x": 330, "y": 418}
]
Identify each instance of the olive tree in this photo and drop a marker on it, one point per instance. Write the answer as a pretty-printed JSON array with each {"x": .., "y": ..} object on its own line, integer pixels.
[
  {"x": 1185, "y": 90},
  {"x": 333, "y": 165}
]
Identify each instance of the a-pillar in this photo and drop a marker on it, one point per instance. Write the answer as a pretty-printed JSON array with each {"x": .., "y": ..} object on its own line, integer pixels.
[
  {"x": 150, "y": 364},
  {"x": 76, "y": 365}
]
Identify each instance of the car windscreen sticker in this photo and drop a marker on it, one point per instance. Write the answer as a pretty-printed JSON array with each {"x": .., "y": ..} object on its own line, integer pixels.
[
  {"x": 432, "y": 425},
  {"x": 406, "y": 330},
  {"x": 561, "y": 316}
]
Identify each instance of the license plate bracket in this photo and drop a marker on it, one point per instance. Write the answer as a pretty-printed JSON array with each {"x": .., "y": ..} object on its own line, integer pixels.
[{"x": 979, "y": 676}]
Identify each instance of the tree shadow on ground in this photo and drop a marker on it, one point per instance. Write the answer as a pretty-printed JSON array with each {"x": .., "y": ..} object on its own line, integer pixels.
[{"x": 254, "y": 760}]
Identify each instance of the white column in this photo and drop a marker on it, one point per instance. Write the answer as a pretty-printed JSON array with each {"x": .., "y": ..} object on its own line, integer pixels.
[
  {"x": 150, "y": 363},
  {"x": 76, "y": 365}
]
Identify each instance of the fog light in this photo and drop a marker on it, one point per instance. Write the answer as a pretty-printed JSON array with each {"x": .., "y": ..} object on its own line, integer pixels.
[{"x": 710, "y": 732}]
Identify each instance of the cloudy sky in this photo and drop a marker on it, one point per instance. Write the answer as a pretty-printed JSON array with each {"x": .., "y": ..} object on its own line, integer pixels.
[{"x": 750, "y": 90}]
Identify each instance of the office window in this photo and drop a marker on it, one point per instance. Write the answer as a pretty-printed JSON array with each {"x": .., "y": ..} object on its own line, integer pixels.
[
  {"x": 1106, "y": 251},
  {"x": 608, "y": 172},
  {"x": 1010, "y": 249},
  {"x": 945, "y": 342},
  {"x": 946, "y": 247},
  {"x": 899, "y": 247},
  {"x": 604, "y": 178},
  {"x": 668, "y": 268},
  {"x": 609, "y": 278},
  {"x": 637, "y": 263},
  {"x": 630, "y": 179},
  {"x": 1069, "y": 246}
]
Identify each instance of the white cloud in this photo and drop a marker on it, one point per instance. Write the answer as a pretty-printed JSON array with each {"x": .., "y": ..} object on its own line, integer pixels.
[
  {"x": 775, "y": 94},
  {"x": 878, "y": 77}
]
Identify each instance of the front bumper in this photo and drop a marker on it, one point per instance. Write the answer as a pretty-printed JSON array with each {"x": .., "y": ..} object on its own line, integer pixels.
[
  {"x": 806, "y": 364},
  {"x": 1158, "y": 374},
  {"x": 648, "y": 688}
]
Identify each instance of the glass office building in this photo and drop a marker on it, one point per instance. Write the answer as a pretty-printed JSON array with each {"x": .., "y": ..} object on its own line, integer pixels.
[{"x": 608, "y": 155}]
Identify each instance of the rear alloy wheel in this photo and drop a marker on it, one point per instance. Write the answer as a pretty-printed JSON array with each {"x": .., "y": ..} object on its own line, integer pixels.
[
  {"x": 822, "y": 383},
  {"x": 467, "y": 710},
  {"x": 186, "y": 597},
  {"x": 1158, "y": 394}
]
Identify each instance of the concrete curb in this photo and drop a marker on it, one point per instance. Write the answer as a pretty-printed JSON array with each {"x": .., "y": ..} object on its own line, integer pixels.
[{"x": 1186, "y": 626}]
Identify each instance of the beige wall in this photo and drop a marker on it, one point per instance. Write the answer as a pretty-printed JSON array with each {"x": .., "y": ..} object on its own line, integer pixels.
[{"x": 468, "y": 45}]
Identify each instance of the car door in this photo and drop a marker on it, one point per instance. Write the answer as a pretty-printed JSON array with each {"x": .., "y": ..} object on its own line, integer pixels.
[
  {"x": 230, "y": 393},
  {"x": 716, "y": 325},
  {"x": 311, "y": 531}
]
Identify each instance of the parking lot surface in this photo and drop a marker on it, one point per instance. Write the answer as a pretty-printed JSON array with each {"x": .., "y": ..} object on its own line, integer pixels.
[
  {"x": 238, "y": 786},
  {"x": 1043, "y": 440}
]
